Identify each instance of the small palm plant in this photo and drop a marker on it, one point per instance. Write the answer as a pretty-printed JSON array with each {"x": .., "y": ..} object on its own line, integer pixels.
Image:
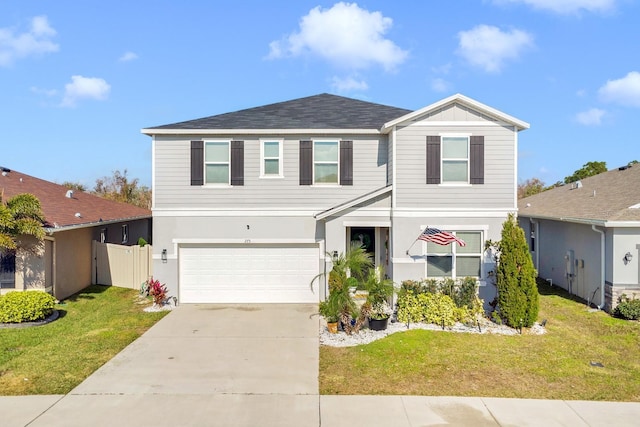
[
  {"x": 348, "y": 271},
  {"x": 380, "y": 291},
  {"x": 21, "y": 215}
]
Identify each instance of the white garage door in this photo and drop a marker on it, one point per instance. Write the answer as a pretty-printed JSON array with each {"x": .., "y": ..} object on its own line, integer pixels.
[{"x": 248, "y": 274}]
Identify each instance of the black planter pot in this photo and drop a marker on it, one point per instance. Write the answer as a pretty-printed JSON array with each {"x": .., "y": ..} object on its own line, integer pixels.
[{"x": 378, "y": 325}]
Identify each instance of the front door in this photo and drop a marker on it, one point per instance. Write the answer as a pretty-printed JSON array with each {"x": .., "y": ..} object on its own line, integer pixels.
[{"x": 365, "y": 237}]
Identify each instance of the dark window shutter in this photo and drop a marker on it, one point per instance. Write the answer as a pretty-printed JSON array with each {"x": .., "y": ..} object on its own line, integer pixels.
[
  {"x": 197, "y": 163},
  {"x": 237, "y": 162},
  {"x": 306, "y": 163},
  {"x": 477, "y": 159},
  {"x": 346, "y": 162},
  {"x": 433, "y": 159}
]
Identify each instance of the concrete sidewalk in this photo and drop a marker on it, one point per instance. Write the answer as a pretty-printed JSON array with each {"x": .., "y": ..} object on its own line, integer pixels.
[
  {"x": 239, "y": 365},
  {"x": 327, "y": 411}
]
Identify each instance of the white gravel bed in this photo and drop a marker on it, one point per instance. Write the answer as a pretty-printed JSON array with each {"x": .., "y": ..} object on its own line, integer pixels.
[{"x": 365, "y": 336}]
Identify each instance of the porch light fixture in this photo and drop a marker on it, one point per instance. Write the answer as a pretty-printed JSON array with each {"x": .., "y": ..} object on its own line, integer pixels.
[
  {"x": 334, "y": 256},
  {"x": 164, "y": 256},
  {"x": 627, "y": 257}
]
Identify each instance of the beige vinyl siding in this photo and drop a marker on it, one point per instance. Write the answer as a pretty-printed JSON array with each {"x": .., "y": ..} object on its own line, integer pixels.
[
  {"x": 172, "y": 187},
  {"x": 497, "y": 190}
]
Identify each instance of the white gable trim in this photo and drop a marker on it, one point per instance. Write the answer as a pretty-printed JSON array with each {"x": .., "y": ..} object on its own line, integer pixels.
[
  {"x": 461, "y": 99},
  {"x": 343, "y": 206}
]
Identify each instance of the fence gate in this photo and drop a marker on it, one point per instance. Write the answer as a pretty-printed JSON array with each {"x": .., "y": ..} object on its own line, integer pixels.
[{"x": 122, "y": 266}]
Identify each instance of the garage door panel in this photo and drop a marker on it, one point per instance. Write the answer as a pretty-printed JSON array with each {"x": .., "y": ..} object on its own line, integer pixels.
[{"x": 248, "y": 274}]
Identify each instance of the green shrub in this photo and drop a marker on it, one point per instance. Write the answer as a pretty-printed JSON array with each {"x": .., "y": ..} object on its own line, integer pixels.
[
  {"x": 516, "y": 278},
  {"x": 628, "y": 309},
  {"x": 427, "y": 307},
  {"x": 29, "y": 306}
]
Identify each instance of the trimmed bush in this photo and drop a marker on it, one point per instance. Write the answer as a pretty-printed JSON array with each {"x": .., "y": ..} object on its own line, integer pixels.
[
  {"x": 427, "y": 307},
  {"x": 628, "y": 309},
  {"x": 28, "y": 306},
  {"x": 516, "y": 278}
]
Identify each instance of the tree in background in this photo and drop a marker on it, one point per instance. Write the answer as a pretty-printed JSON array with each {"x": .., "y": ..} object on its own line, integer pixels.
[
  {"x": 75, "y": 186},
  {"x": 587, "y": 170},
  {"x": 530, "y": 187},
  {"x": 117, "y": 187},
  {"x": 516, "y": 278},
  {"x": 19, "y": 216}
]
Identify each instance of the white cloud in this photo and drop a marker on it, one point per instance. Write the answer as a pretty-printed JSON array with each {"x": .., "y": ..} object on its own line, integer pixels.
[
  {"x": 84, "y": 88},
  {"x": 440, "y": 85},
  {"x": 592, "y": 117},
  {"x": 36, "y": 40},
  {"x": 567, "y": 7},
  {"x": 128, "y": 56},
  {"x": 489, "y": 48},
  {"x": 348, "y": 84},
  {"x": 624, "y": 91},
  {"x": 345, "y": 35},
  {"x": 581, "y": 93},
  {"x": 45, "y": 92}
]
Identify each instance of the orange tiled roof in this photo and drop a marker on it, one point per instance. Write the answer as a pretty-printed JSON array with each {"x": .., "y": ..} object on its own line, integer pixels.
[{"x": 61, "y": 211}]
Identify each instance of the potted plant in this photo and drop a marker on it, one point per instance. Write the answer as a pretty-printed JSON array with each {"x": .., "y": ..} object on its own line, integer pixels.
[
  {"x": 380, "y": 292},
  {"x": 346, "y": 273}
]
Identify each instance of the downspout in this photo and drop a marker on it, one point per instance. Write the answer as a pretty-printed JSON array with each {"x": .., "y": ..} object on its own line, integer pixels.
[{"x": 593, "y": 227}]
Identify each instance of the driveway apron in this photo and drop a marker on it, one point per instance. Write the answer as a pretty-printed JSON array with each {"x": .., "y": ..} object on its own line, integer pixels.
[{"x": 204, "y": 364}]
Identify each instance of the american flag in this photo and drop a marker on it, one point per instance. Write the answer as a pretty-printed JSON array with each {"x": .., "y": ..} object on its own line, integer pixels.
[{"x": 439, "y": 237}]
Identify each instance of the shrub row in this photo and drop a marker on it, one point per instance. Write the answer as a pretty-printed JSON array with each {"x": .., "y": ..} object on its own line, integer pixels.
[
  {"x": 29, "y": 306},
  {"x": 441, "y": 302}
]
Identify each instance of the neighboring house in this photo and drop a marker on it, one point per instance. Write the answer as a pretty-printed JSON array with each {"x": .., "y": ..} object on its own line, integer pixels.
[
  {"x": 250, "y": 206},
  {"x": 62, "y": 263},
  {"x": 585, "y": 236}
]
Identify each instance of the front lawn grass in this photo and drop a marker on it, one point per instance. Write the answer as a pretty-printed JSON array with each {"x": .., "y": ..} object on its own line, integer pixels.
[
  {"x": 556, "y": 365},
  {"x": 95, "y": 324}
]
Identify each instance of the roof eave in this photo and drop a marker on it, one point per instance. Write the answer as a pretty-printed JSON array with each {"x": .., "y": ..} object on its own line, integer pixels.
[
  {"x": 490, "y": 111},
  {"x": 174, "y": 131},
  {"x": 353, "y": 202},
  {"x": 588, "y": 221},
  {"x": 51, "y": 230}
]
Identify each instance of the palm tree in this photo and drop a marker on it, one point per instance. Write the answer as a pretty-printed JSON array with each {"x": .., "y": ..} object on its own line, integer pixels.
[{"x": 19, "y": 216}]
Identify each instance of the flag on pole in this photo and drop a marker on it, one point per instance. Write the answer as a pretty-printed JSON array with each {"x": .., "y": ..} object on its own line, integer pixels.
[{"x": 439, "y": 237}]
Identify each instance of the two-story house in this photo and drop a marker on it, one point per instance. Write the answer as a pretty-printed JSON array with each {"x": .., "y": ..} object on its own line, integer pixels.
[{"x": 250, "y": 206}]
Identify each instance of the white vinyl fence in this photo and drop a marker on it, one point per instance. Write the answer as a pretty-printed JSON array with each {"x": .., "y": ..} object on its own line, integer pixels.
[{"x": 122, "y": 266}]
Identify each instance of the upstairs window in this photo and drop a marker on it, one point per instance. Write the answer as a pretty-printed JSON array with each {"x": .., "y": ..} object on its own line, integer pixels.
[
  {"x": 455, "y": 159},
  {"x": 271, "y": 166},
  {"x": 217, "y": 162},
  {"x": 325, "y": 162}
]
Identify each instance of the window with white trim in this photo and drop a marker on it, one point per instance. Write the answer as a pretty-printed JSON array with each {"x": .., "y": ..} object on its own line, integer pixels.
[
  {"x": 217, "y": 164},
  {"x": 125, "y": 233},
  {"x": 325, "y": 162},
  {"x": 271, "y": 154},
  {"x": 453, "y": 260},
  {"x": 455, "y": 159}
]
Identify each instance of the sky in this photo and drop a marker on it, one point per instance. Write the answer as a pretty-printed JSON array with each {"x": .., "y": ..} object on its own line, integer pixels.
[{"x": 79, "y": 80}]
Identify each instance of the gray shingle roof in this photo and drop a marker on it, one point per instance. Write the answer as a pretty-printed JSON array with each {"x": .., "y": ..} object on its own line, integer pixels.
[
  {"x": 604, "y": 197},
  {"x": 322, "y": 111}
]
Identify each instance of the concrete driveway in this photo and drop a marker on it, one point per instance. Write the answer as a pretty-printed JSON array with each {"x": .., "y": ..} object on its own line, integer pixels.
[{"x": 231, "y": 365}]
